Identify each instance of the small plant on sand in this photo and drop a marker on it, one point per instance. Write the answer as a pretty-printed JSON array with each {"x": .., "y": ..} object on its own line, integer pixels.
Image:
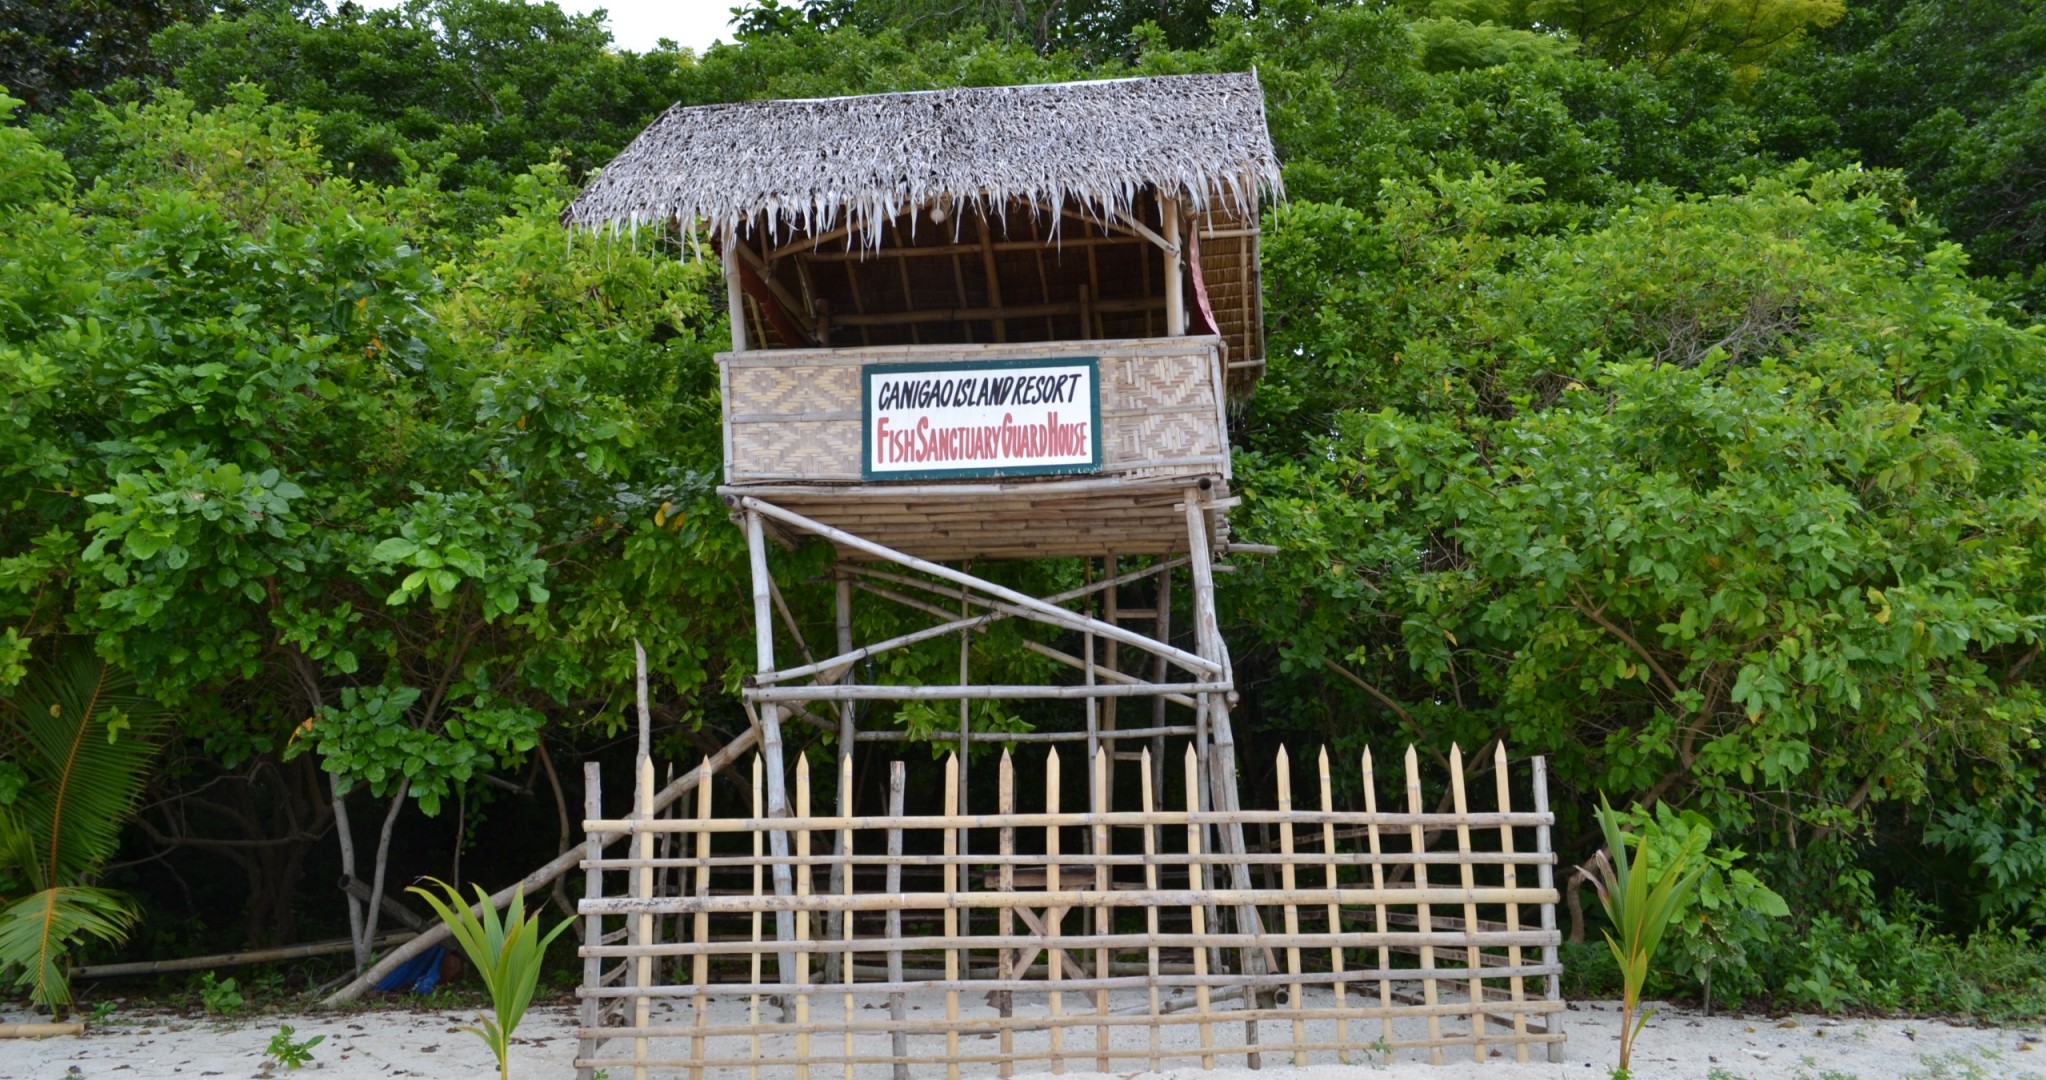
[
  {"x": 507, "y": 955},
  {"x": 1641, "y": 901},
  {"x": 221, "y": 997},
  {"x": 291, "y": 1055}
]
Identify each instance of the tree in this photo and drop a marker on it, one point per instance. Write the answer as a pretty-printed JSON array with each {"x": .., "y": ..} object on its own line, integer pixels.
[{"x": 51, "y": 48}]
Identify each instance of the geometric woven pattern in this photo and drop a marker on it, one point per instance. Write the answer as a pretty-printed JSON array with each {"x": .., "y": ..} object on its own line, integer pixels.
[{"x": 794, "y": 415}]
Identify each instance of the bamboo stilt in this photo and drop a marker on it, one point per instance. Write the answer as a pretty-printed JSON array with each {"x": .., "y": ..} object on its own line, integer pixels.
[
  {"x": 844, "y": 874},
  {"x": 1516, "y": 986},
  {"x": 1052, "y": 918},
  {"x": 753, "y": 1013},
  {"x": 897, "y": 1003},
  {"x": 1104, "y": 921},
  {"x": 1150, "y": 910},
  {"x": 951, "y": 926},
  {"x": 803, "y": 922},
  {"x": 1005, "y": 1003}
]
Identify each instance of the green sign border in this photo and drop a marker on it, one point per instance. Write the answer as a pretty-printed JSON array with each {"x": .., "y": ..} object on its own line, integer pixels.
[{"x": 868, "y": 371}]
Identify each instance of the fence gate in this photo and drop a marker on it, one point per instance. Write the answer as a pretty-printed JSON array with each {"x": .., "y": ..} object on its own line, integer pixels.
[{"x": 1089, "y": 941}]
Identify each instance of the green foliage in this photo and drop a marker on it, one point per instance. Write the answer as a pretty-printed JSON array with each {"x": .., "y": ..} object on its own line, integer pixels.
[
  {"x": 81, "y": 739},
  {"x": 288, "y": 1053},
  {"x": 220, "y": 997},
  {"x": 1718, "y": 938},
  {"x": 1640, "y": 900},
  {"x": 1677, "y": 497},
  {"x": 1595, "y": 420},
  {"x": 508, "y": 954}
]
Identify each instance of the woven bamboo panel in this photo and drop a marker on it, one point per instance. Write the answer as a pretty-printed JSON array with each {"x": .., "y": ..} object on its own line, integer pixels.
[
  {"x": 1229, "y": 269},
  {"x": 794, "y": 414},
  {"x": 1167, "y": 939}
]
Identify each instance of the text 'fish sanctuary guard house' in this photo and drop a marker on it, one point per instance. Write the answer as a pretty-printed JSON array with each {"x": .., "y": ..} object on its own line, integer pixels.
[{"x": 974, "y": 325}]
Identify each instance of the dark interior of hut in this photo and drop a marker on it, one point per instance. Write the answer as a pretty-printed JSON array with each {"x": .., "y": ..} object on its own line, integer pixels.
[{"x": 1018, "y": 274}]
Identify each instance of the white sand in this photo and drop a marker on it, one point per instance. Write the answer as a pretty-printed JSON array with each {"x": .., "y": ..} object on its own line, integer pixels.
[{"x": 1677, "y": 1044}]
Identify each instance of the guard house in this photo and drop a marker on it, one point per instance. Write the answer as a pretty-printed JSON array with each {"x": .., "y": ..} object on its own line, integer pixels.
[
  {"x": 993, "y": 324},
  {"x": 1103, "y": 234},
  {"x": 974, "y": 324}
]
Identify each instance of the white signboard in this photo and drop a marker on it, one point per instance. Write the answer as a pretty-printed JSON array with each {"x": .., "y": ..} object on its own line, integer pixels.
[{"x": 988, "y": 418}]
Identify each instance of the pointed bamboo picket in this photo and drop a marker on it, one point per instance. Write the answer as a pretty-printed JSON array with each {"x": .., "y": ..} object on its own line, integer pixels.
[{"x": 1158, "y": 988}]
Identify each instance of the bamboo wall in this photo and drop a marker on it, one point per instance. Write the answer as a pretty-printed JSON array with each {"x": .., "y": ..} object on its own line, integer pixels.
[
  {"x": 1067, "y": 940},
  {"x": 794, "y": 414}
]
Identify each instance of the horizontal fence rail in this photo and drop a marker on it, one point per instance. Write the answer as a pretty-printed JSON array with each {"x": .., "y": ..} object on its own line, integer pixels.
[{"x": 1118, "y": 949}]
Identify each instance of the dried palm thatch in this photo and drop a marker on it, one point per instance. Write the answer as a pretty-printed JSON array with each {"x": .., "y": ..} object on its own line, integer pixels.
[{"x": 810, "y": 166}]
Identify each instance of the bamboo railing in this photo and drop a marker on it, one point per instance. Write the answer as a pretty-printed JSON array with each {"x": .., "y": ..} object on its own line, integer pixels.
[{"x": 1130, "y": 948}]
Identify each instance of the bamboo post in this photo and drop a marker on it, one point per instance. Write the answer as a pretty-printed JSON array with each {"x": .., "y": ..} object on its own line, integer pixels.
[
  {"x": 1196, "y": 911},
  {"x": 842, "y": 609},
  {"x": 735, "y": 297},
  {"x": 1471, "y": 956},
  {"x": 1093, "y": 708},
  {"x": 1111, "y": 659},
  {"x": 753, "y": 1015},
  {"x": 965, "y": 754},
  {"x": 1286, "y": 878},
  {"x": 593, "y": 926},
  {"x": 1104, "y": 920},
  {"x": 1005, "y": 959},
  {"x": 1377, "y": 882},
  {"x": 898, "y": 1041},
  {"x": 1151, "y": 910},
  {"x": 1221, "y": 748},
  {"x": 1164, "y": 634},
  {"x": 1329, "y": 880},
  {"x": 1053, "y": 880},
  {"x": 643, "y": 888},
  {"x": 1426, "y": 920},
  {"x": 1545, "y": 878},
  {"x": 770, "y": 738},
  {"x": 701, "y": 968},
  {"x": 803, "y": 878},
  {"x": 994, "y": 281},
  {"x": 1516, "y": 986},
  {"x": 842, "y": 870},
  {"x": 1175, "y": 291},
  {"x": 951, "y": 880}
]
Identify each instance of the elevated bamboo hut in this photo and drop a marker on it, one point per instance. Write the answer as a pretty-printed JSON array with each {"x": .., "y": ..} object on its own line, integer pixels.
[
  {"x": 974, "y": 324},
  {"x": 959, "y": 230}
]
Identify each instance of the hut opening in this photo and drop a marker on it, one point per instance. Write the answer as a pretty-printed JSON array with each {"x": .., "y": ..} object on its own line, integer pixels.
[{"x": 1112, "y": 210}]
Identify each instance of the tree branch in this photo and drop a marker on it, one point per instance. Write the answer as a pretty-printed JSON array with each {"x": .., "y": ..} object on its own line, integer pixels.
[{"x": 1598, "y": 616}]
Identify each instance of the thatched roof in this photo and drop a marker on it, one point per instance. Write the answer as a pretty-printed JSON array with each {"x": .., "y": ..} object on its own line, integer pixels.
[{"x": 811, "y": 165}]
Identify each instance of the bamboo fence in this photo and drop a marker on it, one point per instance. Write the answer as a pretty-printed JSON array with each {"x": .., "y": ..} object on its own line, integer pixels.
[{"x": 1126, "y": 946}]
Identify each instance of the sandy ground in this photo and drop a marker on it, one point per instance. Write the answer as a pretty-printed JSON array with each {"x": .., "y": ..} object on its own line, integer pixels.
[{"x": 426, "y": 1043}]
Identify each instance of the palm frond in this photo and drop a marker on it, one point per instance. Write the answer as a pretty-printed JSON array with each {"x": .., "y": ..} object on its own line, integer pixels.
[
  {"x": 39, "y": 930},
  {"x": 85, "y": 737}
]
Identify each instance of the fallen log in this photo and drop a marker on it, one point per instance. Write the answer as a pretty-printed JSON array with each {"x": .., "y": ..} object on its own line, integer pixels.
[
  {"x": 40, "y": 1031},
  {"x": 538, "y": 879},
  {"x": 234, "y": 959}
]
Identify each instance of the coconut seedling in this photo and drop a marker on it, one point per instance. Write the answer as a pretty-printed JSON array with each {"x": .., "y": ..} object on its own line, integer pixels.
[
  {"x": 507, "y": 953},
  {"x": 1640, "y": 901}
]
